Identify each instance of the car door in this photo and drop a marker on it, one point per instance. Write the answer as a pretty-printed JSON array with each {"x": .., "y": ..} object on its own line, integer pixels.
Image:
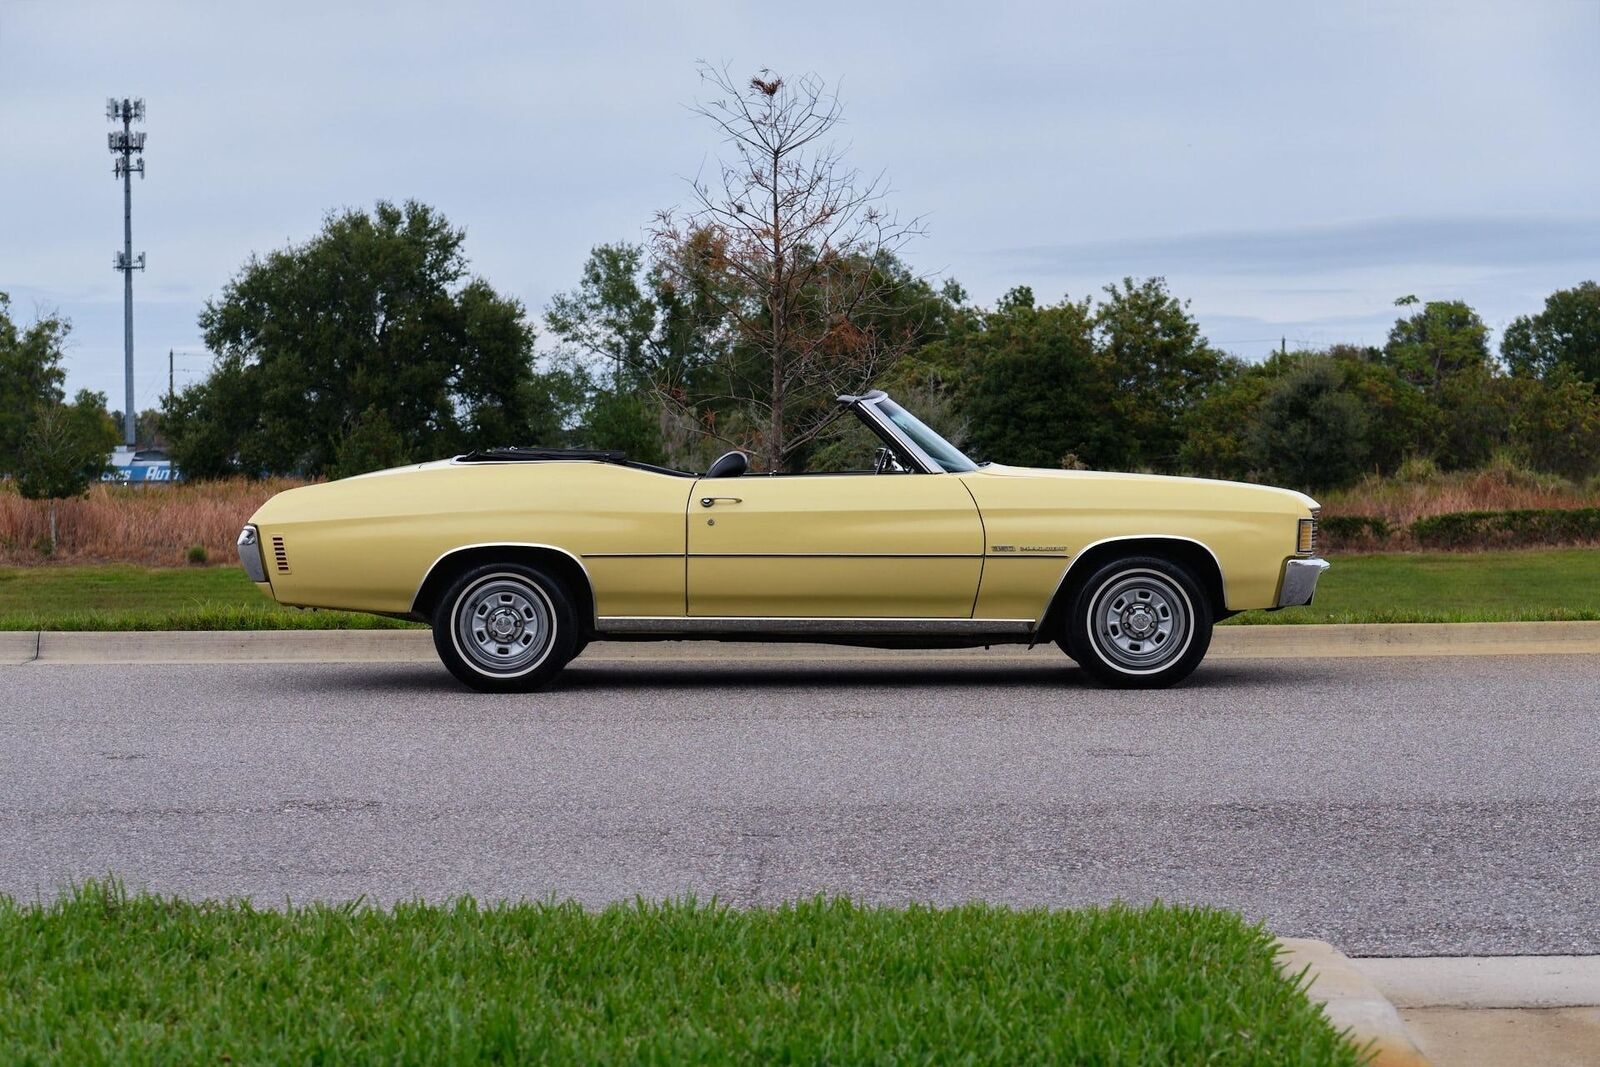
[{"x": 833, "y": 546}]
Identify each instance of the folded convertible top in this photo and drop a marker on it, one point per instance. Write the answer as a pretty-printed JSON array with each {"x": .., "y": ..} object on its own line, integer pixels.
[{"x": 535, "y": 453}]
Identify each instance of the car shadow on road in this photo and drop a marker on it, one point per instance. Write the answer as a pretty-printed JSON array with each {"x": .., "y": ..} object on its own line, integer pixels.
[
  {"x": 602, "y": 677},
  {"x": 843, "y": 673},
  {"x": 810, "y": 676}
]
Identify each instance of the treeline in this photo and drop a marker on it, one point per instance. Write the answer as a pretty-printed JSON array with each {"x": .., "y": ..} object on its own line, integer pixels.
[
  {"x": 1128, "y": 382},
  {"x": 371, "y": 345}
]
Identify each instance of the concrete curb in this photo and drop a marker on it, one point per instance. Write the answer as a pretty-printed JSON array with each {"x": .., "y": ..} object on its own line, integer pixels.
[
  {"x": 18, "y": 646},
  {"x": 1486, "y": 982},
  {"x": 1409, "y": 639},
  {"x": 1351, "y": 1001},
  {"x": 405, "y": 646},
  {"x": 235, "y": 646}
]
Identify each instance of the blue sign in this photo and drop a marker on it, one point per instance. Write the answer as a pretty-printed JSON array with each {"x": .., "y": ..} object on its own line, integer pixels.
[{"x": 143, "y": 472}]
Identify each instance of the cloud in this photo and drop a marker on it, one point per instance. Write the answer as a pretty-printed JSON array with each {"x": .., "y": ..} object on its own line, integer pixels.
[{"x": 1498, "y": 242}]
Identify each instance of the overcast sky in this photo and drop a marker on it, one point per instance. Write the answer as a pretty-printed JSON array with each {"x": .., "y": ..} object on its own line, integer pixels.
[{"x": 1290, "y": 168}]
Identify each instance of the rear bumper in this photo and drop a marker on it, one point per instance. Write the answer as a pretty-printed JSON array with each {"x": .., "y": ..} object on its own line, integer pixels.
[
  {"x": 1299, "y": 583},
  {"x": 249, "y": 545}
]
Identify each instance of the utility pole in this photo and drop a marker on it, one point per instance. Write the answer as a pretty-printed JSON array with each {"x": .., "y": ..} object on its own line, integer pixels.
[
  {"x": 169, "y": 380},
  {"x": 125, "y": 144}
]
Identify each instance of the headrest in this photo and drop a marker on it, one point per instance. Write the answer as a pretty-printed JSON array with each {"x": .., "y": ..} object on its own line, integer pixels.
[{"x": 729, "y": 465}]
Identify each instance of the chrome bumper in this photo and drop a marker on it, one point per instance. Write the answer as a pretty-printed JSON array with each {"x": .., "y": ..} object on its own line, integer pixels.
[
  {"x": 1299, "y": 583},
  {"x": 249, "y": 545}
]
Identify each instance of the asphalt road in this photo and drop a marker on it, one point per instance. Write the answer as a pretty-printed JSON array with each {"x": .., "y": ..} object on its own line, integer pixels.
[{"x": 1391, "y": 806}]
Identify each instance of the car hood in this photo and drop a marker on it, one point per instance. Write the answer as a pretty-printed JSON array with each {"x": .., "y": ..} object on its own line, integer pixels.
[{"x": 1236, "y": 494}]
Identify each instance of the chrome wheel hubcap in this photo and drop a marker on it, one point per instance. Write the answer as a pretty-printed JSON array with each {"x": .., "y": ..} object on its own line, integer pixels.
[
  {"x": 1141, "y": 621},
  {"x": 503, "y": 625}
]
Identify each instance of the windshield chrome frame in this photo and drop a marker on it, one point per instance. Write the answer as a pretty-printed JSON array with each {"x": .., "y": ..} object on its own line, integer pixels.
[{"x": 866, "y": 408}]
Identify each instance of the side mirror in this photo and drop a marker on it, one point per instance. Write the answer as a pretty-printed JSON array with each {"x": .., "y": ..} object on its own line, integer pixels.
[{"x": 883, "y": 460}]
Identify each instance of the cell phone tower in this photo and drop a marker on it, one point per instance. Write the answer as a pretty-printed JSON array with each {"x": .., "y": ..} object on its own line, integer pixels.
[{"x": 125, "y": 144}]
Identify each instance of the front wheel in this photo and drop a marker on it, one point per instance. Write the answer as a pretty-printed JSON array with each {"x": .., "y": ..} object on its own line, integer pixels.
[
  {"x": 1139, "y": 623},
  {"x": 505, "y": 628}
]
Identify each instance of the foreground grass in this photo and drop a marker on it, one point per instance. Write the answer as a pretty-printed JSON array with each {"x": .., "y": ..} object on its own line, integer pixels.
[
  {"x": 101, "y": 976},
  {"x": 1537, "y": 584}
]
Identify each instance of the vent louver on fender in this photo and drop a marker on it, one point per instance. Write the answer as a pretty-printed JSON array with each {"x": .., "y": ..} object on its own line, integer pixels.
[{"x": 281, "y": 554}]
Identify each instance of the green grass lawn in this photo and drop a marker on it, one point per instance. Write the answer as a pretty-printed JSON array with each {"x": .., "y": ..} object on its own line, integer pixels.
[
  {"x": 1530, "y": 585},
  {"x": 100, "y": 977},
  {"x": 127, "y": 597},
  {"x": 1557, "y": 583}
]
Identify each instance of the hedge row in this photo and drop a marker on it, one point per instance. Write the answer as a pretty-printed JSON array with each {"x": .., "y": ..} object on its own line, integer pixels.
[
  {"x": 1541, "y": 526},
  {"x": 1473, "y": 529}
]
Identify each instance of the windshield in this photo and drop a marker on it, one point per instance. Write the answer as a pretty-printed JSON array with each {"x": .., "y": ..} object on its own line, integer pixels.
[{"x": 938, "y": 449}]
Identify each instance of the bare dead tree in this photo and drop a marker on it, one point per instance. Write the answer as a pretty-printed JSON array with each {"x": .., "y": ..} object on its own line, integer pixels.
[{"x": 794, "y": 239}]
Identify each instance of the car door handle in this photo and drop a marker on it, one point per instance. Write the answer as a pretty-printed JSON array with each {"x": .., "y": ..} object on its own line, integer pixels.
[{"x": 707, "y": 501}]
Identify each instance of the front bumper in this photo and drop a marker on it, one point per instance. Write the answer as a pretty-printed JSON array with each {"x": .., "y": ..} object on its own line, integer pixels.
[
  {"x": 1299, "y": 583},
  {"x": 250, "y": 554}
]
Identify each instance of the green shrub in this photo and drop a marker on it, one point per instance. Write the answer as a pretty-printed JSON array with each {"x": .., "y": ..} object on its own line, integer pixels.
[
  {"x": 196, "y": 554},
  {"x": 1417, "y": 469},
  {"x": 1347, "y": 528},
  {"x": 1490, "y": 529}
]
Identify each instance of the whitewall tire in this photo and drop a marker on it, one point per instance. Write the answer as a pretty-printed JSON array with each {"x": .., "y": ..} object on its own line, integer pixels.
[
  {"x": 1140, "y": 622},
  {"x": 503, "y": 627}
]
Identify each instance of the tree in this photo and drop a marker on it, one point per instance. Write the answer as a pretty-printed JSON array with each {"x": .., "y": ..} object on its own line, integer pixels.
[
  {"x": 376, "y": 314},
  {"x": 67, "y": 447},
  {"x": 1554, "y": 423},
  {"x": 146, "y": 427},
  {"x": 1158, "y": 365},
  {"x": 1446, "y": 337},
  {"x": 1033, "y": 394},
  {"x": 632, "y": 335},
  {"x": 626, "y": 420},
  {"x": 1565, "y": 334},
  {"x": 1238, "y": 429},
  {"x": 30, "y": 375},
  {"x": 1218, "y": 430},
  {"x": 800, "y": 253},
  {"x": 1312, "y": 432},
  {"x": 612, "y": 314},
  {"x": 1108, "y": 385},
  {"x": 1471, "y": 414},
  {"x": 372, "y": 444}
]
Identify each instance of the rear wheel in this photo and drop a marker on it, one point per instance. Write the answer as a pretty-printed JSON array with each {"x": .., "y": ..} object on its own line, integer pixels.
[
  {"x": 1139, "y": 623},
  {"x": 505, "y": 628}
]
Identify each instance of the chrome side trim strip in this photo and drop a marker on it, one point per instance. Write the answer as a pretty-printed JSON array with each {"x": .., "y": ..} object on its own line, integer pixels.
[
  {"x": 835, "y": 555},
  {"x": 790, "y": 555},
  {"x": 667, "y": 624}
]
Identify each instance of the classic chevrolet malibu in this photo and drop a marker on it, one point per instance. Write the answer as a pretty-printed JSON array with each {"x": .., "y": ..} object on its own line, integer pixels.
[{"x": 519, "y": 557}]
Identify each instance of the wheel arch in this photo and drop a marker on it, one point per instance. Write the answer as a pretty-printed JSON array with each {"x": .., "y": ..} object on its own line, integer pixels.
[
  {"x": 1187, "y": 552},
  {"x": 564, "y": 565}
]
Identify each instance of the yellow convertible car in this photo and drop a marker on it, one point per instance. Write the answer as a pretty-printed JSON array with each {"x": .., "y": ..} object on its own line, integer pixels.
[{"x": 519, "y": 557}]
